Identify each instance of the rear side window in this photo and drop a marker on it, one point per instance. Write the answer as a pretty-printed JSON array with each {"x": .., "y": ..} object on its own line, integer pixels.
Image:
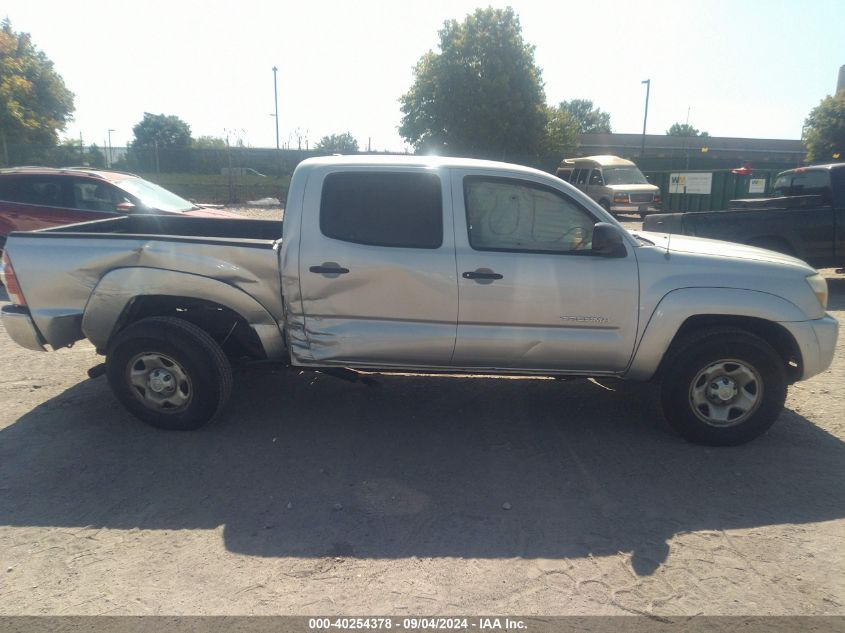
[
  {"x": 40, "y": 190},
  {"x": 383, "y": 209},
  {"x": 583, "y": 174},
  {"x": 8, "y": 189},
  {"x": 804, "y": 183}
]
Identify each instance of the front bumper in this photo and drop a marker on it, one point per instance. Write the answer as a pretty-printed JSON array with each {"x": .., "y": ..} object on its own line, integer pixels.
[
  {"x": 21, "y": 329},
  {"x": 634, "y": 208},
  {"x": 817, "y": 341}
]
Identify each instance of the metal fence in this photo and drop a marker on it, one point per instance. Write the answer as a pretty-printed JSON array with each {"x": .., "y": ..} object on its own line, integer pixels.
[{"x": 233, "y": 175}]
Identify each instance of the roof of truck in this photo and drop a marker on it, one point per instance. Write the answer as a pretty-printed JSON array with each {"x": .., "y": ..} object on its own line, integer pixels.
[
  {"x": 808, "y": 167},
  {"x": 415, "y": 161}
]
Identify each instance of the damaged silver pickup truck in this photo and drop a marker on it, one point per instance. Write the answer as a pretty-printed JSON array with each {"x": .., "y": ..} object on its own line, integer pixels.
[{"x": 422, "y": 265}]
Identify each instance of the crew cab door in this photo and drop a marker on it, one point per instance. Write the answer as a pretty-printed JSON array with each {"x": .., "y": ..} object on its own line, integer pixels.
[
  {"x": 532, "y": 294},
  {"x": 377, "y": 267}
]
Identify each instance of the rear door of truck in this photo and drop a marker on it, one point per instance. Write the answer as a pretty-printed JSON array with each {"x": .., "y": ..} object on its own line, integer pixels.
[{"x": 377, "y": 267}]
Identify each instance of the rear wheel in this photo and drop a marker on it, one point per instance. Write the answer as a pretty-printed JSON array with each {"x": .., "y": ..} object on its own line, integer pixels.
[
  {"x": 169, "y": 373},
  {"x": 723, "y": 387}
]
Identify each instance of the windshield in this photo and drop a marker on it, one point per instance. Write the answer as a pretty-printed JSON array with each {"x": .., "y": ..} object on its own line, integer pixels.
[
  {"x": 153, "y": 196},
  {"x": 623, "y": 176}
]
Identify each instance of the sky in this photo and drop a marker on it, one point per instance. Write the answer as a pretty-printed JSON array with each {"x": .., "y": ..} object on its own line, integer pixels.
[{"x": 744, "y": 68}]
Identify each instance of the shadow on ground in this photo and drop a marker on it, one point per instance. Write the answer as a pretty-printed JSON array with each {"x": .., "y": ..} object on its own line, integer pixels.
[{"x": 421, "y": 467}]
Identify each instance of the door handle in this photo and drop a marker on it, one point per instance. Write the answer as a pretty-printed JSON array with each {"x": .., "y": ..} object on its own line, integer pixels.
[
  {"x": 482, "y": 274},
  {"x": 329, "y": 268}
]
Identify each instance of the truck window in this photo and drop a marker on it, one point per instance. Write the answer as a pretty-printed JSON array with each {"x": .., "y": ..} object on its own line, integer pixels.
[
  {"x": 513, "y": 215},
  {"x": 596, "y": 179},
  {"x": 813, "y": 182},
  {"x": 383, "y": 209}
]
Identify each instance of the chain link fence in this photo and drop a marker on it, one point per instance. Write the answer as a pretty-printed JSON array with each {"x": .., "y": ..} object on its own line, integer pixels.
[{"x": 237, "y": 175}]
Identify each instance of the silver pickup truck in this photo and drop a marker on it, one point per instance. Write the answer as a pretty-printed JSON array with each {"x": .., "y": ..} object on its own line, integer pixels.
[{"x": 423, "y": 265}]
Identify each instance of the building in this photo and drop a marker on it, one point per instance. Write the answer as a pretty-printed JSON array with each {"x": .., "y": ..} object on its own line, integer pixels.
[{"x": 664, "y": 152}]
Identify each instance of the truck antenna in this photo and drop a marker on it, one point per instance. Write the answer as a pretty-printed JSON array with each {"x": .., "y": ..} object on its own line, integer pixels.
[{"x": 668, "y": 242}]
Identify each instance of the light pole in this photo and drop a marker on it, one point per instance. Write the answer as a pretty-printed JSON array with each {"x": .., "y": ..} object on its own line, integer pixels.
[
  {"x": 647, "y": 83},
  {"x": 276, "y": 99},
  {"x": 110, "y": 156}
]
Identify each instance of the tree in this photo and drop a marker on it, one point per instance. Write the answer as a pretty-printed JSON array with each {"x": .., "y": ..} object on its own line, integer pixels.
[
  {"x": 562, "y": 130},
  {"x": 481, "y": 93},
  {"x": 35, "y": 104},
  {"x": 590, "y": 120},
  {"x": 342, "y": 143},
  {"x": 685, "y": 129},
  {"x": 824, "y": 129},
  {"x": 161, "y": 143},
  {"x": 208, "y": 142},
  {"x": 165, "y": 132}
]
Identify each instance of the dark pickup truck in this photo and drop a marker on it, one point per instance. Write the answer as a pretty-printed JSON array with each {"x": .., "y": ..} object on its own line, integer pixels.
[{"x": 804, "y": 218}]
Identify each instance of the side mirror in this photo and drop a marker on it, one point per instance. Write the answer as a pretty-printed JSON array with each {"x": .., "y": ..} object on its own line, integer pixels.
[
  {"x": 608, "y": 241},
  {"x": 124, "y": 207}
]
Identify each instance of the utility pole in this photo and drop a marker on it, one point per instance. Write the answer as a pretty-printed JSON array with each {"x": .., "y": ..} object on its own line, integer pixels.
[
  {"x": 276, "y": 100},
  {"x": 110, "y": 160},
  {"x": 647, "y": 83}
]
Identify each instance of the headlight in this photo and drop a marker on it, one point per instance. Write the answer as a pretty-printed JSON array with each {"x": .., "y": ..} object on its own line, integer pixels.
[
  {"x": 621, "y": 198},
  {"x": 819, "y": 286}
]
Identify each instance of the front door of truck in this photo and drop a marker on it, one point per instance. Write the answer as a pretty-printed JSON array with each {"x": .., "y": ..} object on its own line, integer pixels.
[
  {"x": 377, "y": 268},
  {"x": 532, "y": 294}
]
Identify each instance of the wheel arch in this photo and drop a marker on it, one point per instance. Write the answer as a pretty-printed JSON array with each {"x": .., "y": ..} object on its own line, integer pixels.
[
  {"x": 126, "y": 295},
  {"x": 682, "y": 312}
]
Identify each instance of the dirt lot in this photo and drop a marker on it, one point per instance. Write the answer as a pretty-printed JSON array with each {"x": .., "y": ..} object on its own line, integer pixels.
[{"x": 321, "y": 496}]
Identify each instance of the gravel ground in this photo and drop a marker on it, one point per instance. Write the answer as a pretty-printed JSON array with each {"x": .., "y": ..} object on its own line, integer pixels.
[{"x": 426, "y": 495}]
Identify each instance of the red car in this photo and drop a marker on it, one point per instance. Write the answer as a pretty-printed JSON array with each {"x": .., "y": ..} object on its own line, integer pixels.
[{"x": 37, "y": 197}]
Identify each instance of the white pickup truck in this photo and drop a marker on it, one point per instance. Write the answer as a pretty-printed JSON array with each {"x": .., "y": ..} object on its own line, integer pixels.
[{"x": 422, "y": 265}]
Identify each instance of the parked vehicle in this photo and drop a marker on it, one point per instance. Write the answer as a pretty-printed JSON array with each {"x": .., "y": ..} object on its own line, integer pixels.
[
  {"x": 420, "y": 265},
  {"x": 805, "y": 217},
  {"x": 38, "y": 197},
  {"x": 615, "y": 183}
]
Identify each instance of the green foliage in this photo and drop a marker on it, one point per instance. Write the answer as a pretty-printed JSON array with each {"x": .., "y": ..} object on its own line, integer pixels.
[
  {"x": 161, "y": 130},
  {"x": 72, "y": 153},
  {"x": 562, "y": 130},
  {"x": 35, "y": 105},
  {"x": 208, "y": 142},
  {"x": 685, "y": 129},
  {"x": 590, "y": 120},
  {"x": 162, "y": 143},
  {"x": 482, "y": 93},
  {"x": 824, "y": 129},
  {"x": 342, "y": 143}
]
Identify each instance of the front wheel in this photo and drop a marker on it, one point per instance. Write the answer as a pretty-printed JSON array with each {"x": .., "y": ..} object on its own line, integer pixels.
[
  {"x": 169, "y": 373},
  {"x": 723, "y": 387}
]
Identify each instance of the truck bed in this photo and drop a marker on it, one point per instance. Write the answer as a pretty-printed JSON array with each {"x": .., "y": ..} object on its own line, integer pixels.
[
  {"x": 170, "y": 226},
  {"x": 60, "y": 267}
]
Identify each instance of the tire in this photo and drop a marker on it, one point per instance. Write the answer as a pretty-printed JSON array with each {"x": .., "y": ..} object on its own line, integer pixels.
[
  {"x": 169, "y": 373},
  {"x": 723, "y": 387},
  {"x": 604, "y": 204}
]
